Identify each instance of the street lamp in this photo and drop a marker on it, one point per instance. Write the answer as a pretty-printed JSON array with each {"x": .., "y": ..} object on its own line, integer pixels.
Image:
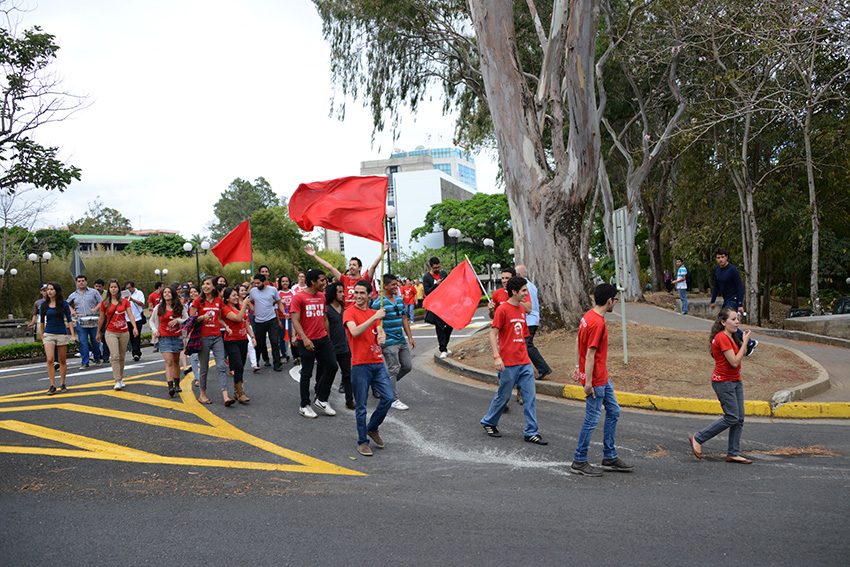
[
  {"x": 43, "y": 260},
  {"x": 455, "y": 234},
  {"x": 496, "y": 267},
  {"x": 244, "y": 273},
  {"x": 488, "y": 244},
  {"x": 512, "y": 251},
  {"x": 391, "y": 213},
  {"x": 159, "y": 272},
  {"x": 188, "y": 248},
  {"x": 12, "y": 273}
]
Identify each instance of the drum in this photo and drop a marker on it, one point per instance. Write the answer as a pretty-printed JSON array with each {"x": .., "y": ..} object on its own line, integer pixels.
[{"x": 88, "y": 321}]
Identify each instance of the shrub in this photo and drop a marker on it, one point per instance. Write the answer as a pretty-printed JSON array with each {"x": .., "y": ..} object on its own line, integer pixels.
[{"x": 32, "y": 349}]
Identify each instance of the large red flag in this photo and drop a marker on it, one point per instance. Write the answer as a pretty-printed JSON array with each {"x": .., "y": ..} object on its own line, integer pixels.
[
  {"x": 353, "y": 205},
  {"x": 456, "y": 299},
  {"x": 236, "y": 246}
]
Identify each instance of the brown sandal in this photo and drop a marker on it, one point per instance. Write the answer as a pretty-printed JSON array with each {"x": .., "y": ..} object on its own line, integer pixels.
[
  {"x": 697, "y": 452},
  {"x": 740, "y": 460}
]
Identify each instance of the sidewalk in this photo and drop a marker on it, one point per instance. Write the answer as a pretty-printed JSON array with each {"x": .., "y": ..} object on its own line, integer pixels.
[{"x": 835, "y": 360}]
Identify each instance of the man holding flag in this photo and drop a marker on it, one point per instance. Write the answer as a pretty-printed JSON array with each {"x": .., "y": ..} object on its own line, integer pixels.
[
  {"x": 353, "y": 275},
  {"x": 430, "y": 283}
]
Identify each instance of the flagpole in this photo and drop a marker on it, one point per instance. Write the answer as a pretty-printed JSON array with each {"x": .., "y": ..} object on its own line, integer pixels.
[
  {"x": 252, "y": 247},
  {"x": 476, "y": 277}
]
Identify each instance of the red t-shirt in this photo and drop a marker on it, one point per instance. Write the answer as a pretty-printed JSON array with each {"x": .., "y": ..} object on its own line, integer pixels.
[
  {"x": 510, "y": 320},
  {"x": 500, "y": 296},
  {"x": 348, "y": 282},
  {"x": 408, "y": 292},
  {"x": 211, "y": 328},
  {"x": 116, "y": 315},
  {"x": 364, "y": 348},
  {"x": 286, "y": 302},
  {"x": 239, "y": 331},
  {"x": 153, "y": 299},
  {"x": 164, "y": 330},
  {"x": 311, "y": 308},
  {"x": 592, "y": 332},
  {"x": 723, "y": 371}
]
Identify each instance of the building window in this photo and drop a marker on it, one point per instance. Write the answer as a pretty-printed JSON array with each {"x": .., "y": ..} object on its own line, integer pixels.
[{"x": 444, "y": 167}]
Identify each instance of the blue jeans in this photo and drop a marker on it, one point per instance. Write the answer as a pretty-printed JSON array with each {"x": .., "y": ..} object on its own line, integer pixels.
[
  {"x": 364, "y": 376},
  {"x": 593, "y": 410},
  {"x": 521, "y": 375},
  {"x": 282, "y": 341},
  {"x": 409, "y": 310},
  {"x": 683, "y": 295},
  {"x": 731, "y": 397},
  {"x": 88, "y": 335}
]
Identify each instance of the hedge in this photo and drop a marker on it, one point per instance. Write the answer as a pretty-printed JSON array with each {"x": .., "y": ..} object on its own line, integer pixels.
[{"x": 34, "y": 349}]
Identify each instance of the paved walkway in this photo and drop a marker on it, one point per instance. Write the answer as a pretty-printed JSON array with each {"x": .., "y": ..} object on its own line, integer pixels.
[{"x": 835, "y": 360}]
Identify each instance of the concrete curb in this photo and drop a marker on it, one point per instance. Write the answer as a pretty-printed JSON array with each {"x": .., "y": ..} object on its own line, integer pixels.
[
  {"x": 795, "y": 410},
  {"x": 803, "y": 336}
]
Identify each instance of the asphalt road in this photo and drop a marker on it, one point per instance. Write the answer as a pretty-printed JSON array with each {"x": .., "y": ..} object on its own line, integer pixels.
[{"x": 440, "y": 493}]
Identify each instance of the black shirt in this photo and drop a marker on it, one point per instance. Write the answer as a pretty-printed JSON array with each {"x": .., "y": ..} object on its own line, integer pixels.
[{"x": 336, "y": 331}]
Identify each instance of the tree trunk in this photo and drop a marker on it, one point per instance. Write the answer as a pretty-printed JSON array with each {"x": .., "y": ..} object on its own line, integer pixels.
[
  {"x": 765, "y": 296},
  {"x": 814, "y": 289},
  {"x": 653, "y": 212},
  {"x": 547, "y": 205}
]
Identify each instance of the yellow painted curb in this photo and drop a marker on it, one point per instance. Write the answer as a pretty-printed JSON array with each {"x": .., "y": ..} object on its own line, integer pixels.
[{"x": 809, "y": 410}]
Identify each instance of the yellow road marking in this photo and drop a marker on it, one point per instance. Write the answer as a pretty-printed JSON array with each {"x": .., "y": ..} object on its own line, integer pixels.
[{"x": 91, "y": 448}]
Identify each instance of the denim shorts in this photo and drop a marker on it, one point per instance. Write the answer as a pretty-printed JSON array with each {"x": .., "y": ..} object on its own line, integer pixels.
[{"x": 170, "y": 344}]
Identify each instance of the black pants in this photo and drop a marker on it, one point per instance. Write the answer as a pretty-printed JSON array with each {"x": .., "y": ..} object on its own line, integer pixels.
[
  {"x": 237, "y": 354},
  {"x": 323, "y": 352},
  {"x": 536, "y": 358},
  {"x": 136, "y": 342},
  {"x": 444, "y": 333},
  {"x": 104, "y": 348},
  {"x": 272, "y": 327},
  {"x": 344, "y": 362}
]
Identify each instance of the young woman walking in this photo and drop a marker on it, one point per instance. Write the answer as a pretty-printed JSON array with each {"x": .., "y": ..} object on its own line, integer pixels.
[
  {"x": 726, "y": 381},
  {"x": 236, "y": 341},
  {"x": 244, "y": 289},
  {"x": 166, "y": 319},
  {"x": 208, "y": 309},
  {"x": 115, "y": 316},
  {"x": 55, "y": 316},
  {"x": 285, "y": 319},
  {"x": 335, "y": 298}
]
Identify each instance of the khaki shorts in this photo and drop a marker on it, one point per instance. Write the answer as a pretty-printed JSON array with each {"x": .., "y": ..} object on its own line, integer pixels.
[{"x": 58, "y": 340}]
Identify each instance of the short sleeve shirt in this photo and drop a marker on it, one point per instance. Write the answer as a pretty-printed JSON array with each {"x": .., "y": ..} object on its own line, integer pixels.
[
  {"x": 510, "y": 320},
  {"x": 311, "y": 308},
  {"x": 364, "y": 348},
  {"x": 336, "y": 329},
  {"x": 349, "y": 282},
  {"x": 264, "y": 303},
  {"x": 286, "y": 302},
  {"x": 592, "y": 332},
  {"x": 682, "y": 273},
  {"x": 500, "y": 296},
  {"x": 164, "y": 329},
  {"x": 723, "y": 371},
  {"x": 408, "y": 292},
  {"x": 213, "y": 308},
  {"x": 239, "y": 332},
  {"x": 393, "y": 320},
  {"x": 116, "y": 315}
]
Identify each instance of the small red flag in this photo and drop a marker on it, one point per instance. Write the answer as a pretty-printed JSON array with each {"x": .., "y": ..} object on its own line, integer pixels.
[
  {"x": 236, "y": 246},
  {"x": 456, "y": 299},
  {"x": 353, "y": 205}
]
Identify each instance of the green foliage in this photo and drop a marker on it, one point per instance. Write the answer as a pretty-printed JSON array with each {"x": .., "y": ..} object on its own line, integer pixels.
[
  {"x": 31, "y": 96},
  {"x": 57, "y": 241},
  {"x": 100, "y": 219},
  {"x": 239, "y": 202},
  {"x": 33, "y": 349},
  {"x": 168, "y": 245},
  {"x": 273, "y": 231}
]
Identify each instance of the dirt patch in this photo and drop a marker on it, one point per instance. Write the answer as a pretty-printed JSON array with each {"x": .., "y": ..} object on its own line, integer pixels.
[
  {"x": 665, "y": 300},
  {"x": 661, "y": 361}
]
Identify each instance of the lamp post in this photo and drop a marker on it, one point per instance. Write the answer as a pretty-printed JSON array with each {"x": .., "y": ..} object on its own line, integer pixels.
[
  {"x": 162, "y": 273},
  {"x": 40, "y": 260},
  {"x": 391, "y": 214},
  {"x": 512, "y": 251},
  {"x": 455, "y": 235},
  {"x": 244, "y": 273},
  {"x": 188, "y": 248},
  {"x": 12, "y": 273},
  {"x": 496, "y": 267},
  {"x": 488, "y": 244}
]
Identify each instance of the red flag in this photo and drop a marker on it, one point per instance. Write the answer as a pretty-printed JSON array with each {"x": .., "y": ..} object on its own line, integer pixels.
[
  {"x": 236, "y": 246},
  {"x": 353, "y": 205},
  {"x": 456, "y": 299}
]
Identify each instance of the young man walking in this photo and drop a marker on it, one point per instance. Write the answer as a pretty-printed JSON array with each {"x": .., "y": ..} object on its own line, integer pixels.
[
  {"x": 592, "y": 372},
  {"x": 266, "y": 300},
  {"x": 430, "y": 282},
  {"x": 681, "y": 284},
  {"x": 314, "y": 344},
  {"x": 396, "y": 325},
  {"x": 510, "y": 357},
  {"x": 85, "y": 302},
  {"x": 137, "y": 304},
  {"x": 365, "y": 338},
  {"x": 532, "y": 318},
  {"x": 728, "y": 284},
  {"x": 353, "y": 275}
]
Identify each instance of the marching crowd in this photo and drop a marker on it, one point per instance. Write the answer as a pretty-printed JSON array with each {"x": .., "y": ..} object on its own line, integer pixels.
[{"x": 351, "y": 326}]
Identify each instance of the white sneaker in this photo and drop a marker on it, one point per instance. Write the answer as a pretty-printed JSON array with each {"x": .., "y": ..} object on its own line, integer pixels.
[
  {"x": 448, "y": 351},
  {"x": 118, "y": 385},
  {"x": 324, "y": 406},
  {"x": 307, "y": 411},
  {"x": 443, "y": 354},
  {"x": 400, "y": 405}
]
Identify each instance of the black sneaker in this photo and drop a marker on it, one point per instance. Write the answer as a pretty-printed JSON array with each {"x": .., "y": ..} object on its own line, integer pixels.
[
  {"x": 278, "y": 368},
  {"x": 136, "y": 358},
  {"x": 585, "y": 468},
  {"x": 266, "y": 363},
  {"x": 492, "y": 431},
  {"x": 536, "y": 439},
  {"x": 616, "y": 465},
  {"x": 751, "y": 347},
  {"x": 51, "y": 390},
  {"x": 63, "y": 388}
]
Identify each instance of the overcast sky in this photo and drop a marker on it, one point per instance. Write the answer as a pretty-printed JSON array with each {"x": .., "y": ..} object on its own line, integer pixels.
[{"x": 185, "y": 96}]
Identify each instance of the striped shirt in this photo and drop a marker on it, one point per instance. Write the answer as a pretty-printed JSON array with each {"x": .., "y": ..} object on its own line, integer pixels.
[{"x": 393, "y": 326}]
